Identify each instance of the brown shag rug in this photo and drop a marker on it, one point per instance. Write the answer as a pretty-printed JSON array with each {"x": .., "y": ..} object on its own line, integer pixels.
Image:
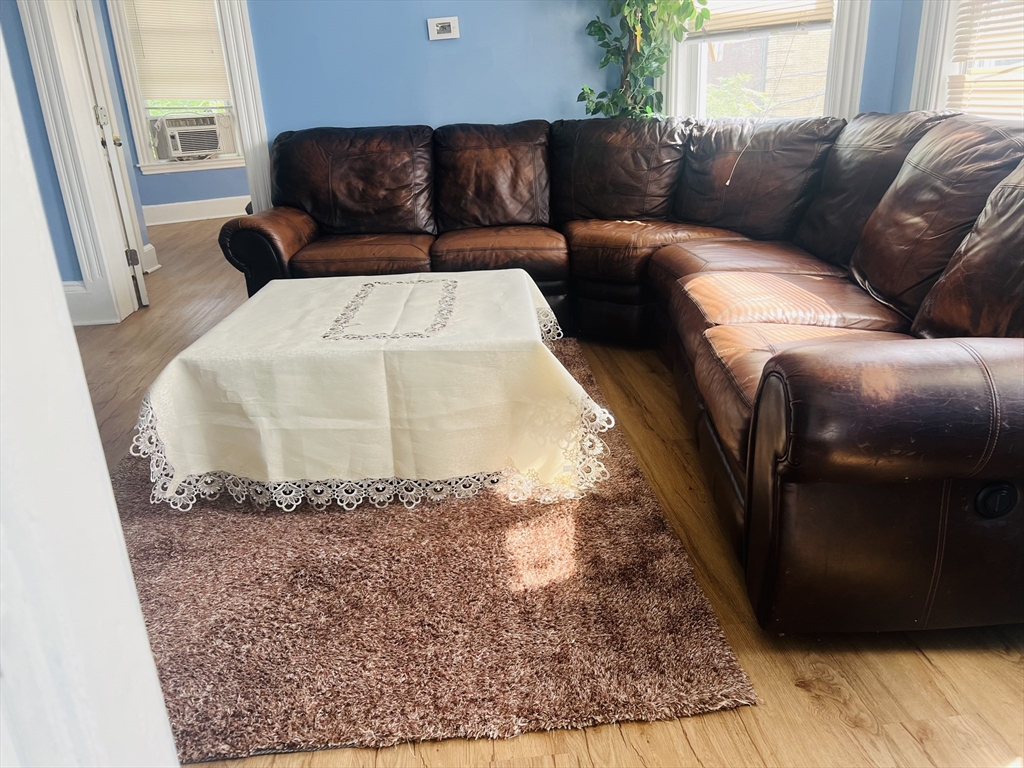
[{"x": 286, "y": 631}]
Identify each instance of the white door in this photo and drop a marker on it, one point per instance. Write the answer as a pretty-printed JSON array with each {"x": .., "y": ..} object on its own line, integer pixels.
[
  {"x": 109, "y": 136},
  {"x": 63, "y": 44}
]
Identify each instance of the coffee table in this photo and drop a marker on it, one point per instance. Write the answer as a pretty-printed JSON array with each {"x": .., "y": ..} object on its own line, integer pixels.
[{"x": 374, "y": 389}]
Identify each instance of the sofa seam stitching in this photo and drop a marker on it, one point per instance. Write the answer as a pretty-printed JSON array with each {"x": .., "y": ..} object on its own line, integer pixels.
[
  {"x": 933, "y": 586},
  {"x": 728, "y": 371},
  {"x": 995, "y": 415},
  {"x": 499, "y": 248},
  {"x": 793, "y": 223}
]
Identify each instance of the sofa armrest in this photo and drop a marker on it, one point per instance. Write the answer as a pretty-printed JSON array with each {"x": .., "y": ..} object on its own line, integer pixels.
[
  {"x": 884, "y": 484},
  {"x": 261, "y": 245},
  {"x": 892, "y": 411}
]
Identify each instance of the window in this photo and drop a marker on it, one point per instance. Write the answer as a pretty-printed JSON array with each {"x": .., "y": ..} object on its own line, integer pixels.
[
  {"x": 175, "y": 78},
  {"x": 987, "y": 75},
  {"x": 756, "y": 58}
]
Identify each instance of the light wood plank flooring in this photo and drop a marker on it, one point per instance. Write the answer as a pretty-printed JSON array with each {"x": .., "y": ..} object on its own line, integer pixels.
[
  {"x": 949, "y": 698},
  {"x": 194, "y": 289}
]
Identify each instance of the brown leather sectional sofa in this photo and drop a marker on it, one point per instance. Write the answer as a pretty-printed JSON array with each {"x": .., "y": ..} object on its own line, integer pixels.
[{"x": 843, "y": 305}]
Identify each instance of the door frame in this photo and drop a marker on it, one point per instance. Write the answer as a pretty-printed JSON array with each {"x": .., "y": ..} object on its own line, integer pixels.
[
  {"x": 240, "y": 62},
  {"x": 114, "y": 144},
  {"x": 105, "y": 294}
]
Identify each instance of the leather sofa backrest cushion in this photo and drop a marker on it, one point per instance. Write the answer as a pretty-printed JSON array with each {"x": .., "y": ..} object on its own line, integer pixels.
[
  {"x": 754, "y": 177},
  {"x": 357, "y": 180},
  {"x": 981, "y": 292},
  {"x": 860, "y": 167},
  {"x": 615, "y": 168},
  {"x": 492, "y": 175},
  {"x": 931, "y": 206}
]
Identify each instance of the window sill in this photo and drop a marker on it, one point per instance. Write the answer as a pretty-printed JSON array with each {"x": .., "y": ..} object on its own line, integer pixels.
[{"x": 192, "y": 165}]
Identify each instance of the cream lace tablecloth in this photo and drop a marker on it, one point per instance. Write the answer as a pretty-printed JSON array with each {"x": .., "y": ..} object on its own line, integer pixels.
[{"x": 352, "y": 389}]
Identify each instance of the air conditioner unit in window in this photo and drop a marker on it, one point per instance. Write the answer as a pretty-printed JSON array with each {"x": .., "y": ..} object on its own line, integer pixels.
[{"x": 194, "y": 137}]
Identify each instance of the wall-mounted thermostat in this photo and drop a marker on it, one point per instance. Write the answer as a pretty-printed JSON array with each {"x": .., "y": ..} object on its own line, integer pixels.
[{"x": 445, "y": 28}]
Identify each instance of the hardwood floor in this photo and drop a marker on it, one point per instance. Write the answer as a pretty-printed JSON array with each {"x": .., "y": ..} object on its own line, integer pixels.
[
  {"x": 194, "y": 289},
  {"x": 942, "y": 698}
]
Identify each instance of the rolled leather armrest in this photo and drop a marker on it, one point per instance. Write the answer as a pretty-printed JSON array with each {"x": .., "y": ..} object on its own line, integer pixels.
[
  {"x": 261, "y": 245},
  {"x": 893, "y": 411},
  {"x": 884, "y": 486}
]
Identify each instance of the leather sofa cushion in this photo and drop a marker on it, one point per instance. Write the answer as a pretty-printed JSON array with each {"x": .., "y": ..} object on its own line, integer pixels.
[
  {"x": 357, "y": 180},
  {"x": 728, "y": 363},
  {"x": 618, "y": 251},
  {"x": 538, "y": 250},
  {"x": 703, "y": 300},
  {"x": 672, "y": 262},
  {"x": 491, "y": 175},
  {"x": 362, "y": 255},
  {"x": 615, "y": 168},
  {"x": 860, "y": 167},
  {"x": 932, "y": 205},
  {"x": 755, "y": 177},
  {"x": 981, "y": 293}
]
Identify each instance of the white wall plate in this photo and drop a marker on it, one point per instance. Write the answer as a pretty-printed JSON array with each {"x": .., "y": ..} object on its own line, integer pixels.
[{"x": 443, "y": 28}]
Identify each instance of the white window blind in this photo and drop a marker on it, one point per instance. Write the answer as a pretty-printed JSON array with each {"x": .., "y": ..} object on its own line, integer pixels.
[
  {"x": 988, "y": 51},
  {"x": 739, "y": 15},
  {"x": 177, "y": 49}
]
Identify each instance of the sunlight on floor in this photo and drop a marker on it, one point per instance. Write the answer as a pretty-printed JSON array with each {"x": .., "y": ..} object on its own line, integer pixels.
[{"x": 542, "y": 550}]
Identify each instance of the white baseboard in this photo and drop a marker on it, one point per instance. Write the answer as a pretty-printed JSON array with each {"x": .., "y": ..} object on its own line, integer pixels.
[
  {"x": 149, "y": 261},
  {"x": 85, "y": 307},
  {"x": 195, "y": 210}
]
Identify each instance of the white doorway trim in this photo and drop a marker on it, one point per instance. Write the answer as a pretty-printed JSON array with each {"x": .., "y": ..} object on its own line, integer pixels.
[
  {"x": 240, "y": 59},
  {"x": 846, "y": 57},
  {"x": 106, "y": 293},
  {"x": 79, "y": 684},
  {"x": 934, "y": 54}
]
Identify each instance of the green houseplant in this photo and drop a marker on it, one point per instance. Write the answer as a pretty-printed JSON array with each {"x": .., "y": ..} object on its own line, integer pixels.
[{"x": 640, "y": 49}]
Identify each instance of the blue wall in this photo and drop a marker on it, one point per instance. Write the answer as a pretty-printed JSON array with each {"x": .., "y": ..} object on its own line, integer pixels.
[
  {"x": 906, "y": 56},
  {"x": 893, "y": 27},
  {"x": 370, "y": 63},
  {"x": 38, "y": 142},
  {"x": 156, "y": 189}
]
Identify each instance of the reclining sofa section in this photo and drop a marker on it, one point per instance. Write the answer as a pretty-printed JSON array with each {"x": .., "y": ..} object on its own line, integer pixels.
[{"x": 843, "y": 305}]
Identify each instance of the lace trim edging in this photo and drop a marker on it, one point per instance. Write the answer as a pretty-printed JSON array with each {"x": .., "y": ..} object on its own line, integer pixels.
[
  {"x": 550, "y": 330},
  {"x": 583, "y": 450},
  {"x": 588, "y": 470}
]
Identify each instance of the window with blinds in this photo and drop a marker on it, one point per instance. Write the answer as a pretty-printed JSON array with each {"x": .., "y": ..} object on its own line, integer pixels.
[
  {"x": 763, "y": 58},
  {"x": 988, "y": 59},
  {"x": 176, "y": 82},
  {"x": 746, "y": 15},
  {"x": 177, "y": 50}
]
